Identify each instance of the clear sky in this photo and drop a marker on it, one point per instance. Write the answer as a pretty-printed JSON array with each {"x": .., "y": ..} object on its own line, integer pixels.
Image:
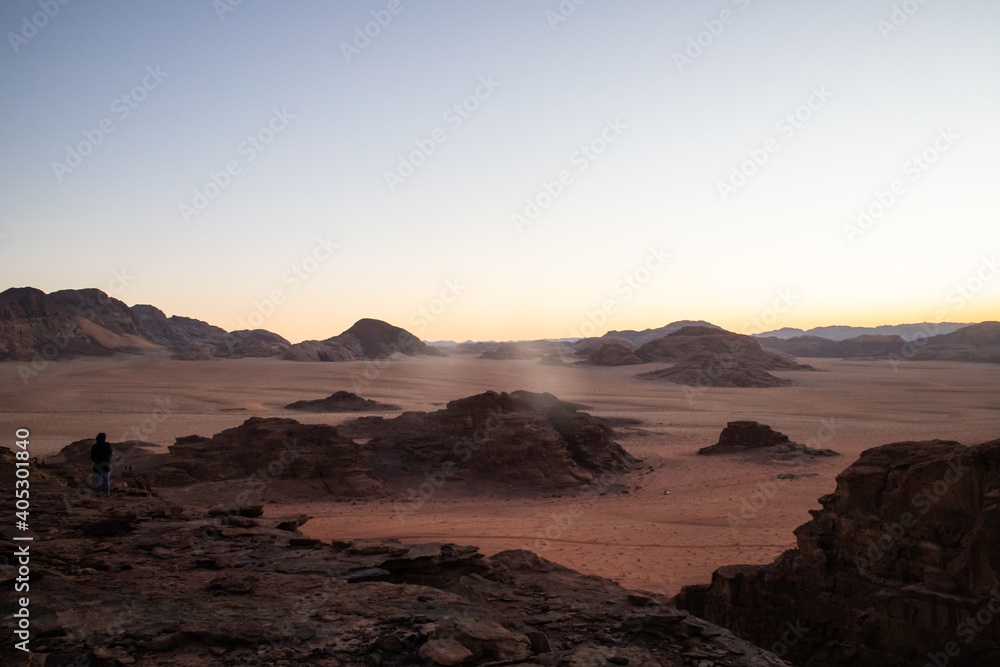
[{"x": 506, "y": 170}]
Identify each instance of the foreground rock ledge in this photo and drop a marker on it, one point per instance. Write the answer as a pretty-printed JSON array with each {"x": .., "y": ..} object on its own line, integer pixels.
[
  {"x": 137, "y": 581},
  {"x": 900, "y": 567}
]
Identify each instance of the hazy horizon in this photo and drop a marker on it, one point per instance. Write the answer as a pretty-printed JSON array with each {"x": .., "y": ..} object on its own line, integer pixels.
[{"x": 518, "y": 171}]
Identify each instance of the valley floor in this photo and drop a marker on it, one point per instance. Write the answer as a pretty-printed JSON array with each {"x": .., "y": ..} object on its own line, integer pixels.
[{"x": 720, "y": 510}]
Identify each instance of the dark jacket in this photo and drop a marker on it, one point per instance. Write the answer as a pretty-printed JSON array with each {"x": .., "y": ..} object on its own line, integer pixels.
[{"x": 101, "y": 452}]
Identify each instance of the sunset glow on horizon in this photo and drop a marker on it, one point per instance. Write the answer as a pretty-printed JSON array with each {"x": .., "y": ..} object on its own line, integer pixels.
[{"x": 506, "y": 171}]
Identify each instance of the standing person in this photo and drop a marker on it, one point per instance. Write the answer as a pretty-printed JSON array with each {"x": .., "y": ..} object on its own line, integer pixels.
[{"x": 100, "y": 458}]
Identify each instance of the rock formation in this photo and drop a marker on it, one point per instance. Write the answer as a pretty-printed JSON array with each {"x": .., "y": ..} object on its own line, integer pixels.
[
  {"x": 135, "y": 580},
  {"x": 299, "y": 460},
  {"x": 504, "y": 443},
  {"x": 711, "y": 357},
  {"x": 639, "y": 338},
  {"x": 704, "y": 370},
  {"x": 901, "y": 566},
  {"x": 367, "y": 339},
  {"x": 691, "y": 342},
  {"x": 867, "y": 346},
  {"x": 517, "y": 441},
  {"x": 65, "y": 324},
  {"x": 608, "y": 352},
  {"x": 976, "y": 342},
  {"x": 506, "y": 352},
  {"x": 742, "y": 437},
  {"x": 839, "y": 332},
  {"x": 341, "y": 401},
  {"x": 192, "y": 339}
]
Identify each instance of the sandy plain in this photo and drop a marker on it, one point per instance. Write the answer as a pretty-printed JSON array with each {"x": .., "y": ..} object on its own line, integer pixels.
[{"x": 720, "y": 510}]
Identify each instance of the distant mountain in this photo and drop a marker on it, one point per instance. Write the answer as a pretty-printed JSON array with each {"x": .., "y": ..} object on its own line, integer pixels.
[
  {"x": 441, "y": 343},
  {"x": 35, "y": 326},
  {"x": 366, "y": 339},
  {"x": 904, "y": 331},
  {"x": 639, "y": 338},
  {"x": 193, "y": 339},
  {"x": 706, "y": 356},
  {"x": 39, "y": 327},
  {"x": 975, "y": 342},
  {"x": 859, "y": 347}
]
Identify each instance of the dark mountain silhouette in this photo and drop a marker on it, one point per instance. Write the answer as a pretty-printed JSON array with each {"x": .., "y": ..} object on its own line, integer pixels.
[
  {"x": 639, "y": 338},
  {"x": 65, "y": 324},
  {"x": 842, "y": 332},
  {"x": 366, "y": 339}
]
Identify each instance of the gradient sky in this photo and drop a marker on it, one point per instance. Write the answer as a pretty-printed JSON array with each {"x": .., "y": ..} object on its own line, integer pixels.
[{"x": 777, "y": 251}]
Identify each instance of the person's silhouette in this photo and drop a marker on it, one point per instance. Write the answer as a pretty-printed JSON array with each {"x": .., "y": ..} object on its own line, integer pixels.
[{"x": 100, "y": 458}]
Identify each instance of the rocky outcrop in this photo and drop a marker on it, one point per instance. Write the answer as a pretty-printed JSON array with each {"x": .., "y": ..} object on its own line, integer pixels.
[
  {"x": 706, "y": 370},
  {"x": 639, "y": 338},
  {"x": 505, "y": 442},
  {"x": 192, "y": 339},
  {"x": 66, "y": 324},
  {"x": 286, "y": 449},
  {"x": 740, "y": 436},
  {"x": 743, "y": 437},
  {"x": 901, "y": 566},
  {"x": 693, "y": 343},
  {"x": 294, "y": 459},
  {"x": 978, "y": 342},
  {"x": 521, "y": 443},
  {"x": 708, "y": 357},
  {"x": 341, "y": 401},
  {"x": 367, "y": 339},
  {"x": 609, "y": 352},
  {"x": 88, "y": 322},
  {"x": 868, "y": 346},
  {"x": 506, "y": 352},
  {"x": 836, "y": 333},
  {"x": 163, "y": 585},
  {"x": 317, "y": 350}
]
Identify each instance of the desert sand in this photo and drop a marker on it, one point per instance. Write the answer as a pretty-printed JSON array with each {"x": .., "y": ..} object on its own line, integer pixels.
[{"x": 720, "y": 510}]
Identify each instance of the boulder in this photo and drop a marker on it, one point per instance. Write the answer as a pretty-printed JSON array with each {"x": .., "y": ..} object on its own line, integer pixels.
[{"x": 341, "y": 401}]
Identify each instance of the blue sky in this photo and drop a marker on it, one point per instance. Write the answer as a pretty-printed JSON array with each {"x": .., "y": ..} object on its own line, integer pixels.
[{"x": 243, "y": 178}]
